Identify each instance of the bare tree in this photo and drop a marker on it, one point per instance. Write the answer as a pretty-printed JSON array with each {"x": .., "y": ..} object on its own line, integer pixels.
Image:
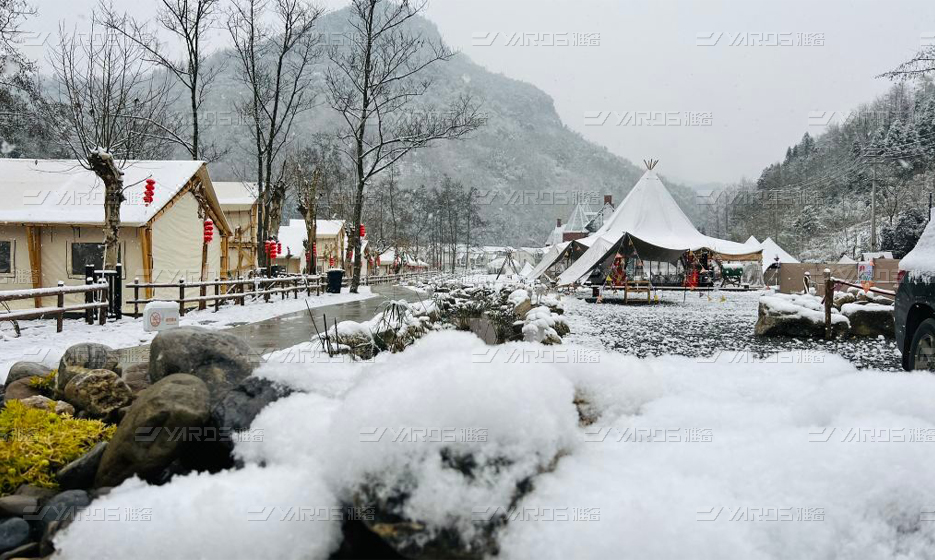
[
  {"x": 189, "y": 21},
  {"x": 274, "y": 63},
  {"x": 372, "y": 82},
  {"x": 113, "y": 108}
]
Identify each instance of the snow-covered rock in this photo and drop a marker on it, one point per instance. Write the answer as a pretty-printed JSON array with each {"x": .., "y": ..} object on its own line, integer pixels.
[
  {"x": 870, "y": 319},
  {"x": 797, "y": 315}
]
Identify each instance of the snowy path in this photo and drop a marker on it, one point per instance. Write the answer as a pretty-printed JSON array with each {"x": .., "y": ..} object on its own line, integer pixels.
[
  {"x": 701, "y": 327},
  {"x": 40, "y": 343}
]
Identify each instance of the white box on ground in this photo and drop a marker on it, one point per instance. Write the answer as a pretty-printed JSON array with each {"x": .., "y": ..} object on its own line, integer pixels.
[{"x": 160, "y": 316}]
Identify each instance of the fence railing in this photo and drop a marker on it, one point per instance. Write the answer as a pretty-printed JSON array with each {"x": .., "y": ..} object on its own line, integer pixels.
[
  {"x": 95, "y": 303},
  {"x": 830, "y": 284},
  {"x": 394, "y": 278},
  {"x": 239, "y": 290}
]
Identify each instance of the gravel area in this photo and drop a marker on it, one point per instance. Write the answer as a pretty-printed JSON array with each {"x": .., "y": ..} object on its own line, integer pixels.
[{"x": 706, "y": 324}]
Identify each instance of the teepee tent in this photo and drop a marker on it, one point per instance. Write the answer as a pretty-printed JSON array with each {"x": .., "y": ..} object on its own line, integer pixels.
[
  {"x": 658, "y": 229},
  {"x": 527, "y": 270},
  {"x": 846, "y": 260},
  {"x": 774, "y": 254}
]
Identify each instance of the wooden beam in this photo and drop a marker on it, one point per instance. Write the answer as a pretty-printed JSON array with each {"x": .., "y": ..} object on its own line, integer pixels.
[
  {"x": 34, "y": 244},
  {"x": 146, "y": 242},
  {"x": 225, "y": 262}
]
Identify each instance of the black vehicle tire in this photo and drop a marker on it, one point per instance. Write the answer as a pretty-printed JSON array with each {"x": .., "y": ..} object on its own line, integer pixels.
[{"x": 921, "y": 355}]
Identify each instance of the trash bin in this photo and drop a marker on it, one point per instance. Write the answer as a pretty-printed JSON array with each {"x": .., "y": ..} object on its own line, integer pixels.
[{"x": 335, "y": 276}]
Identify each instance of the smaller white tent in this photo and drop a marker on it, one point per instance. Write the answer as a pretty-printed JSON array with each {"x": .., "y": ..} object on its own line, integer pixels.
[
  {"x": 527, "y": 270},
  {"x": 773, "y": 254},
  {"x": 846, "y": 260}
]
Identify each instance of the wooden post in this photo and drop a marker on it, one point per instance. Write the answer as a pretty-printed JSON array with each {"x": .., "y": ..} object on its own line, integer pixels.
[
  {"x": 34, "y": 244},
  {"x": 60, "y": 302},
  {"x": 88, "y": 298},
  {"x": 202, "y": 292},
  {"x": 829, "y": 301},
  {"x": 103, "y": 310},
  {"x": 146, "y": 244},
  {"x": 136, "y": 297},
  {"x": 181, "y": 297},
  {"x": 217, "y": 294}
]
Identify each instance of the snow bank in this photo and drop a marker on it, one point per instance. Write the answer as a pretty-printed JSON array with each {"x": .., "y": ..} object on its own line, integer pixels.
[
  {"x": 843, "y": 456},
  {"x": 274, "y": 512},
  {"x": 800, "y": 306}
]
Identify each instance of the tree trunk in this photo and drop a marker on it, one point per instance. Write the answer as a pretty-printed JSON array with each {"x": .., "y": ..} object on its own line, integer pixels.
[
  {"x": 355, "y": 231},
  {"x": 104, "y": 167},
  {"x": 274, "y": 218}
]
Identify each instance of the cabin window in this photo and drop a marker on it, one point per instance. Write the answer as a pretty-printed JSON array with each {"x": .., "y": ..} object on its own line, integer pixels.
[
  {"x": 6, "y": 257},
  {"x": 86, "y": 253}
]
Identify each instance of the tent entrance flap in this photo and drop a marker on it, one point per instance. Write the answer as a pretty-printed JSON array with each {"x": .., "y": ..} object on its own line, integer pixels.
[{"x": 650, "y": 252}]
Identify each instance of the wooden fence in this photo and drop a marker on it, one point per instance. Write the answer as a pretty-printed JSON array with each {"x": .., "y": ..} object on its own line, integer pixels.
[
  {"x": 95, "y": 302},
  {"x": 828, "y": 286},
  {"x": 237, "y": 290}
]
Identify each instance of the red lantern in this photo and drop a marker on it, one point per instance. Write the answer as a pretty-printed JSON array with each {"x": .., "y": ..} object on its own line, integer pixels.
[
  {"x": 331, "y": 262},
  {"x": 148, "y": 191},
  {"x": 278, "y": 248},
  {"x": 363, "y": 230},
  {"x": 209, "y": 230},
  {"x": 308, "y": 256},
  {"x": 314, "y": 249}
]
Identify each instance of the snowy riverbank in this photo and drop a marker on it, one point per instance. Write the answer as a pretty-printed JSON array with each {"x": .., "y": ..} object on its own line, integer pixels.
[{"x": 557, "y": 452}]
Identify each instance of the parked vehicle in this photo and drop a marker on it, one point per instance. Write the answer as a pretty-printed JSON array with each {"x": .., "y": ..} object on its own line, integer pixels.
[{"x": 915, "y": 305}]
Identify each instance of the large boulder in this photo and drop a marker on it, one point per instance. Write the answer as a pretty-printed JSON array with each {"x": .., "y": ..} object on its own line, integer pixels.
[
  {"x": 14, "y": 532},
  {"x": 98, "y": 392},
  {"x": 149, "y": 438},
  {"x": 81, "y": 357},
  {"x": 870, "y": 319},
  {"x": 20, "y": 389},
  {"x": 23, "y": 370},
  {"x": 219, "y": 359},
  {"x": 800, "y": 316}
]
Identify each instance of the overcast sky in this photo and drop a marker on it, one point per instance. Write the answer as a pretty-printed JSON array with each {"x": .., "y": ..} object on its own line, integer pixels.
[{"x": 715, "y": 89}]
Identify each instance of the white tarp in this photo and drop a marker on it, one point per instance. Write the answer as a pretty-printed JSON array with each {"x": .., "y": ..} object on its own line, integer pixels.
[
  {"x": 658, "y": 226},
  {"x": 773, "y": 253}
]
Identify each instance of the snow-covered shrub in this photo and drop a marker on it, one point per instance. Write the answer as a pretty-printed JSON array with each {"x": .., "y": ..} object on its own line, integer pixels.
[{"x": 438, "y": 443}]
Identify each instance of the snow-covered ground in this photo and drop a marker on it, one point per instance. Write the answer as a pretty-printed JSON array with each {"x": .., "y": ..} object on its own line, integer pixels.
[
  {"x": 40, "y": 343},
  {"x": 702, "y": 326},
  {"x": 682, "y": 459}
]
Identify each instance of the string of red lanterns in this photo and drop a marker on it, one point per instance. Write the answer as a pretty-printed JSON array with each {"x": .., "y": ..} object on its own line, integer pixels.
[
  {"x": 149, "y": 191},
  {"x": 209, "y": 230}
]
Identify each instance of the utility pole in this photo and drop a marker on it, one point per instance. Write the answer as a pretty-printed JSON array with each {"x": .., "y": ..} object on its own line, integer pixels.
[{"x": 873, "y": 209}]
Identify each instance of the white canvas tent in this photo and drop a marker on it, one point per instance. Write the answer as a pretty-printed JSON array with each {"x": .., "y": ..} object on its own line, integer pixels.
[
  {"x": 559, "y": 251},
  {"x": 658, "y": 228},
  {"x": 773, "y": 254},
  {"x": 846, "y": 260},
  {"x": 527, "y": 270}
]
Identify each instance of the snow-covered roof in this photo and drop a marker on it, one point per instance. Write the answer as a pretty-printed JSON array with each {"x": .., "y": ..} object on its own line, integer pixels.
[
  {"x": 773, "y": 253},
  {"x": 555, "y": 236},
  {"x": 236, "y": 194},
  {"x": 877, "y": 255},
  {"x": 650, "y": 215},
  {"x": 63, "y": 192},
  {"x": 920, "y": 261},
  {"x": 294, "y": 235}
]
